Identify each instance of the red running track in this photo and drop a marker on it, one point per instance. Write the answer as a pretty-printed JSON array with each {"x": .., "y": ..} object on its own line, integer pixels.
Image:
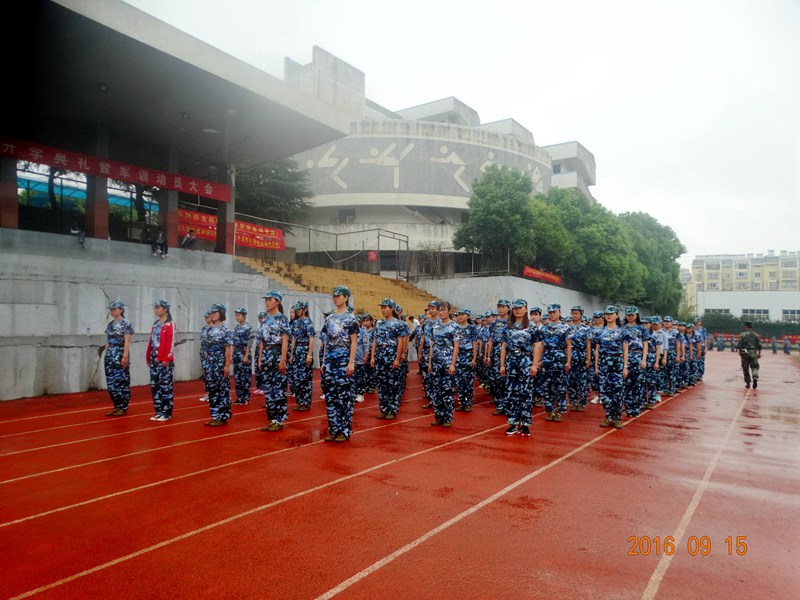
[{"x": 94, "y": 507}]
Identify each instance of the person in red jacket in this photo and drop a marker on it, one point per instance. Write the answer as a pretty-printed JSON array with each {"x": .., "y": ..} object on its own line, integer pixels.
[{"x": 161, "y": 361}]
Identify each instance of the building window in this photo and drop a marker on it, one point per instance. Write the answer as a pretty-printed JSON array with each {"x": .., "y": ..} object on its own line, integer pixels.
[
  {"x": 742, "y": 285},
  {"x": 699, "y": 286},
  {"x": 773, "y": 285},
  {"x": 714, "y": 276},
  {"x": 773, "y": 274},
  {"x": 756, "y": 286},
  {"x": 755, "y": 314},
  {"x": 711, "y": 285},
  {"x": 718, "y": 311},
  {"x": 742, "y": 266},
  {"x": 789, "y": 284},
  {"x": 347, "y": 216},
  {"x": 742, "y": 274},
  {"x": 712, "y": 266},
  {"x": 790, "y": 263},
  {"x": 556, "y": 169},
  {"x": 791, "y": 315},
  {"x": 757, "y": 274}
]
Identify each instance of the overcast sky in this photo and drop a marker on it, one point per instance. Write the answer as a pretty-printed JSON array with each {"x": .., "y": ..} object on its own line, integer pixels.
[{"x": 690, "y": 107}]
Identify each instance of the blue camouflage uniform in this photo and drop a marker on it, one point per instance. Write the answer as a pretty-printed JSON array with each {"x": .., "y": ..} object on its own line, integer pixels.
[
  {"x": 670, "y": 375},
  {"x": 118, "y": 378},
  {"x": 554, "y": 360},
  {"x": 361, "y": 382},
  {"x": 578, "y": 376},
  {"x": 273, "y": 383},
  {"x": 301, "y": 371},
  {"x": 427, "y": 341},
  {"x": 652, "y": 376},
  {"x": 519, "y": 345},
  {"x": 218, "y": 337},
  {"x": 465, "y": 378},
  {"x": 610, "y": 344},
  {"x": 634, "y": 388},
  {"x": 337, "y": 385},
  {"x": 496, "y": 384},
  {"x": 442, "y": 349},
  {"x": 243, "y": 336},
  {"x": 161, "y": 377},
  {"x": 388, "y": 335}
]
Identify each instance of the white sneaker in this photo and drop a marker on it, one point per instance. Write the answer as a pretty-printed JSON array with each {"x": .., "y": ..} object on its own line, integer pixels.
[
  {"x": 657, "y": 398},
  {"x": 359, "y": 398},
  {"x": 595, "y": 400},
  {"x": 160, "y": 418},
  {"x": 322, "y": 397},
  {"x": 204, "y": 398},
  {"x": 155, "y": 253}
]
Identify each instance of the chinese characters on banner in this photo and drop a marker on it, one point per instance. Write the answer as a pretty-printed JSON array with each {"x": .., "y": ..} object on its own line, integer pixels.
[
  {"x": 91, "y": 165},
  {"x": 249, "y": 235},
  {"x": 541, "y": 275},
  {"x": 372, "y": 256}
]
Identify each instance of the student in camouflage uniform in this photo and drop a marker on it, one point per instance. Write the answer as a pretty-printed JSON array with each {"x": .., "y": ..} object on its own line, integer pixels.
[
  {"x": 442, "y": 365},
  {"x": 598, "y": 322},
  {"x": 652, "y": 374},
  {"x": 363, "y": 358},
  {"x": 467, "y": 360},
  {"x": 556, "y": 359},
  {"x": 116, "y": 361},
  {"x": 749, "y": 352},
  {"x": 497, "y": 384},
  {"x": 425, "y": 343},
  {"x": 301, "y": 356},
  {"x": 339, "y": 365},
  {"x": 243, "y": 336},
  {"x": 670, "y": 375},
  {"x": 387, "y": 349},
  {"x": 701, "y": 336},
  {"x": 517, "y": 365},
  {"x": 217, "y": 366},
  {"x": 273, "y": 347},
  {"x": 254, "y": 352},
  {"x": 161, "y": 361},
  {"x": 535, "y": 315},
  {"x": 404, "y": 342},
  {"x": 201, "y": 353},
  {"x": 611, "y": 365},
  {"x": 634, "y": 398},
  {"x": 578, "y": 377}
]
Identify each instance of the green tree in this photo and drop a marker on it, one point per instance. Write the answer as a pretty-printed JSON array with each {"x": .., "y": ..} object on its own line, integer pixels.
[
  {"x": 278, "y": 190},
  {"x": 611, "y": 268},
  {"x": 500, "y": 215},
  {"x": 658, "y": 249},
  {"x": 556, "y": 248}
]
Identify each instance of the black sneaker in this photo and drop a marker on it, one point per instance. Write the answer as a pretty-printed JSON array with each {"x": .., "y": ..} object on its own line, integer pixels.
[
  {"x": 755, "y": 382},
  {"x": 747, "y": 385},
  {"x": 525, "y": 431},
  {"x": 512, "y": 430}
]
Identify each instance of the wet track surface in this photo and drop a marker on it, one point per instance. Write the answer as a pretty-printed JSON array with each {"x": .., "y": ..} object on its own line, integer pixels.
[{"x": 699, "y": 498}]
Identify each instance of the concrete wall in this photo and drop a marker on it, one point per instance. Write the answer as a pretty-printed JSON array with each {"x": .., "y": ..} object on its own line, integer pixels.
[
  {"x": 480, "y": 294},
  {"x": 736, "y": 302},
  {"x": 54, "y": 294}
]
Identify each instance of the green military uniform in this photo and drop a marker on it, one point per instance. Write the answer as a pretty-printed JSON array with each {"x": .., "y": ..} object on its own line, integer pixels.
[{"x": 749, "y": 351}]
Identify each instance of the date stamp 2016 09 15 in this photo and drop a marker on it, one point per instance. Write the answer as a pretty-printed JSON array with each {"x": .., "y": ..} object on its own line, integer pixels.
[{"x": 645, "y": 545}]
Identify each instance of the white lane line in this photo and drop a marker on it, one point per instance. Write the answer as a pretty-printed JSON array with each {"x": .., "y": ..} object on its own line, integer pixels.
[
  {"x": 158, "y": 448},
  {"x": 247, "y": 513},
  {"x": 663, "y": 564},
  {"x": 200, "y": 472}
]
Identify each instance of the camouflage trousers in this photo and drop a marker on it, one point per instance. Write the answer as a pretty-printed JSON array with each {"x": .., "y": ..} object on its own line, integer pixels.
[
  {"x": 339, "y": 392},
  {"x": 219, "y": 386},
  {"x": 442, "y": 392},
  {"x": 389, "y": 380},
  {"x": 161, "y": 386},
  {"x": 554, "y": 385},
  {"x": 749, "y": 365},
  {"x": 464, "y": 380},
  {"x": 578, "y": 381},
  {"x": 118, "y": 378},
  {"x": 519, "y": 384},
  {"x": 242, "y": 375},
  {"x": 611, "y": 385},
  {"x": 273, "y": 384},
  {"x": 301, "y": 376},
  {"x": 633, "y": 396}
]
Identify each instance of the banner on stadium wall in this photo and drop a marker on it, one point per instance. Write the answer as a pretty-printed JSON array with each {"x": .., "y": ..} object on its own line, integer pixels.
[
  {"x": 248, "y": 235},
  {"x": 532, "y": 273},
  {"x": 100, "y": 167}
]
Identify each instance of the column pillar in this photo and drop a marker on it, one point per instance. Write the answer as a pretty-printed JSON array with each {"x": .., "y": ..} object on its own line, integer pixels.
[
  {"x": 226, "y": 212},
  {"x": 9, "y": 199},
  {"x": 168, "y": 203},
  {"x": 96, "y": 219}
]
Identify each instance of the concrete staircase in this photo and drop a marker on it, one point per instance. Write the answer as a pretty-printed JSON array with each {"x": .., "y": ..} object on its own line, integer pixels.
[{"x": 368, "y": 290}]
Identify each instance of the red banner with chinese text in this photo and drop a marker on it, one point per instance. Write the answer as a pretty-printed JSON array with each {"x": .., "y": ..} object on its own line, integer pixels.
[
  {"x": 249, "y": 235},
  {"x": 99, "y": 167},
  {"x": 541, "y": 275}
]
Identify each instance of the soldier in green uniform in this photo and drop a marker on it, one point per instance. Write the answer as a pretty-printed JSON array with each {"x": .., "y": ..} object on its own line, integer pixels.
[{"x": 750, "y": 352}]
